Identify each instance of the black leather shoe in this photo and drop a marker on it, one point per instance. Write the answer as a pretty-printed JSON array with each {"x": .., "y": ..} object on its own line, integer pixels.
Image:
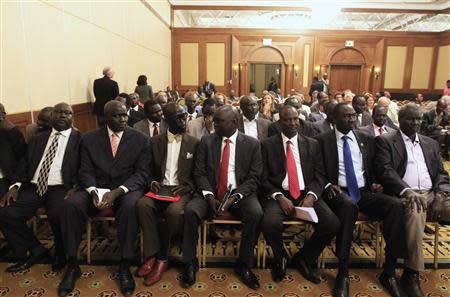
[
  {"x": 67, "y": 285},
  {"x": 247, "y": 276},
  {"x": 188, "y": 276},
  {"x": 59, "y": 262},
  {"x": 279, "y": 269},
  {"x": 341, "y": 286},
  {"x": 411, "y": 284},
  {"x": 305, "y": 269},
  {"x": 28, "y": 262},
  {"x": 391, "y": 284},
  {"x": 126, "y": 281}
]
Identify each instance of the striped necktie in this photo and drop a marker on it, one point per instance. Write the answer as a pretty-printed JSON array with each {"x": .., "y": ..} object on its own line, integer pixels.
[{"x": 42, "y": 181}]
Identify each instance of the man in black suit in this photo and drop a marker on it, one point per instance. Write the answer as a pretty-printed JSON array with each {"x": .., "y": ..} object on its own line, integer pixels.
[
  {"x": 173, "y": 160},
  {"x": 42, "y": 124},
  {"x": 409, "y": 166},
  {"x": 320, "y": 114},
  {"x": 46, "y": 178},
  {"x": 434, "y": 122},
  {"x": 305, "y": 127},
  {"x": 327, "y": 124},
  {"x": 209, "y": 87},
  {"x": 105, "y": 89},
  {"x": 117, "y": 158},
  {"x": 363, "y": 117},
  {"x": 317, "y": 85},
  {"x": 378, "y": 127},
  {"x": 294, "y": 176},
  {"x": 250, "y": 123},
  {"x": 225, "y": 158},
  {"x": 348, "y": 156},
  {"x": 12, "y": 149}
]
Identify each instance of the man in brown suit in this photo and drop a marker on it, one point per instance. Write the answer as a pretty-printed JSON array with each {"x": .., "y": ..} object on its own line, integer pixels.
[{"x": 172, "y": 160}]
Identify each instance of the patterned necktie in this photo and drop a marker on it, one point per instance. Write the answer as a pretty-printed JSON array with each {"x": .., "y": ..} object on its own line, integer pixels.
[
  {"x": 155, "y": 129},
  {"x": 223, "y": 177},
  {"x": 173, "y": 137},
  {"x": 381, "y": 131},
  {"x": 42, "y": 181},
  {"x": 114, "y": 144},
  {"x": 352, "y": 183},
  {"x": 294, "y": 187}
]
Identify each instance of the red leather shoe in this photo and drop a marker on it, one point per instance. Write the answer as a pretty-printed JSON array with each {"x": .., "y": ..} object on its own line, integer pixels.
[
  {"x": 147, "y": 267},
  {"x": 156, "y": 274}
]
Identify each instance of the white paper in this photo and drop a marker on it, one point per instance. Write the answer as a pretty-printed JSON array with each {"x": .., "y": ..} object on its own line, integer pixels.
[
  {"x": 306, "y": 213},
  {"x": 102, "y": 192}
]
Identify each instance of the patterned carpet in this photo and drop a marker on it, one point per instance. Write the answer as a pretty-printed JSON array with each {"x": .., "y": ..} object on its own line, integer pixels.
[{"x": 101, "y": 281}]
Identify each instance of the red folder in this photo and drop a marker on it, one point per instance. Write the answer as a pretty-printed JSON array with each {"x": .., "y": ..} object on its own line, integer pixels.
[{"x": 163, "y": 198}]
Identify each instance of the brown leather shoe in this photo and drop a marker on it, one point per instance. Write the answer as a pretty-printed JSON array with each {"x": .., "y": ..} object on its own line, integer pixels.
[
  {"x": 147, "y": 267},
  {"x": 156, "y": 274}
]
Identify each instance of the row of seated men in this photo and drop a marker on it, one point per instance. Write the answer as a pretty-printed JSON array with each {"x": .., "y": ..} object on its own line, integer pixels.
[{"x": 397, "y": 177}]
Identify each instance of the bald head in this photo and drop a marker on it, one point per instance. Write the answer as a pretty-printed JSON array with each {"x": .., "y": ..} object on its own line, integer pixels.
[
  {"x": 61, "y": 117},
  {"x": 441, "y": 105},
  {"x": 226, "y": 120},
  {"x": 384, "y": 101}
]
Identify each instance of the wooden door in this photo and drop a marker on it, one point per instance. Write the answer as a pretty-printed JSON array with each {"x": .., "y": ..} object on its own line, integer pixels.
[{"x": 345, "y": 77}]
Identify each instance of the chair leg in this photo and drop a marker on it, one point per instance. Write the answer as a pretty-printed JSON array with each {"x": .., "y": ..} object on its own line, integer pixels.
[
  {"x": 205, "y": 232},
  {"x": 377, "y": 245},
  {"x": 436, "y": 245},
  {"x": 264, "y": 253},
  {"x": 88, "y": 240},
  {"x": 141, "y": 244},
  {"x": 258, "y": 253},
  {"x": 199, "y": 245}
]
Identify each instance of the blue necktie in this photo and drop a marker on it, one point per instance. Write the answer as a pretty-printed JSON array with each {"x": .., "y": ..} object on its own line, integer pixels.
[{"x": 352, "y": 183}]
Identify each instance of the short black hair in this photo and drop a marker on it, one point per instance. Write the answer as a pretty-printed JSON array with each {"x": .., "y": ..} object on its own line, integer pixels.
[
  {"x": 338, "y": 107},
  {"x": 209, "y": 102},
  {"x": 148, "y": 104}
]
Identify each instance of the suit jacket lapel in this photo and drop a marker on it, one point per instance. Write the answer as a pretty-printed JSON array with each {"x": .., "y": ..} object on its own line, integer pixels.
[
  {"x": 182, "y": 155},
  {"x": 41, "y": 149},
  {"x": 426, "y": 154},
  {"x": 259, "y": 129},
  {"x": 238, "y": 156},
  {"x": 162, "y": 147},
  {"x": 70, "y": 144},
  {"x": 241, "y": 124},
  {"x": 303, "y": 152},
  {"x": 106, "y": 143},
  {"x": 123, "y": 145},
  {"x": 332, "y": 145}
]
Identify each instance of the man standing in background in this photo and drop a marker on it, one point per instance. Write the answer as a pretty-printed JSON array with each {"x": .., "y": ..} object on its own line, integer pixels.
[{"x": 105, "y": 89}]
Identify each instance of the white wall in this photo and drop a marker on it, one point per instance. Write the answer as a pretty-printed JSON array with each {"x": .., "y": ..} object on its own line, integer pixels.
[{"x": 51, "y": 51}]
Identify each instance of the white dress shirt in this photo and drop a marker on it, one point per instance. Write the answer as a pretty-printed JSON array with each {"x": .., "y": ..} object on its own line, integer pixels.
[
  {"x": 151, "y": 127},
  {"x": 356, "y": 158},
  {"x": 250, "y": 127},
  {"x": 359, "y": 119},
  {"x": 171, "y": 174},
  {"x": 416, "y": 174},
  {"x": 296, "y": 152},
  {"x": 376, "y": 129},
  {"x": 192, "y": 115},
  {"x": 119, "y": 136},
  {"x": 231, "y": 162},
  {"x": 55, "y": 174}
]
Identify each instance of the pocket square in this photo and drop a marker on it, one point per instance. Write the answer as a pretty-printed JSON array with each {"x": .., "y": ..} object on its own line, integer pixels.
[{"x": 189, "y": 156}]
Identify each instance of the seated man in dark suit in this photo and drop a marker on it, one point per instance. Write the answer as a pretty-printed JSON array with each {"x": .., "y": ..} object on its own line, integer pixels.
[
  {"x": 172, "y": 161},
  {"x": 42, "y": 124},
  {"x": 153, "y": 124},
  {"x": 294, "y": 176},
  {"x": 320, "y": 115},
  {"x": 434, "y": 122},
  {"x": 348, "y": 155},
  {"x": 378, "y": 127},
  {"x": 363, "y": 117},
  {"x": 305, "y": 127},
  {"x": 225, "y": 159},
  {"x": 327, "y": 124},
  {"x": 409, "y": 166},
  {"x": 249, "y": 123},
  {"x": 46, "y": 178},
  {"x": 117, "y": 158},
  {"x": 133, "y": 112},
  {"x": 12, "y": 149}
]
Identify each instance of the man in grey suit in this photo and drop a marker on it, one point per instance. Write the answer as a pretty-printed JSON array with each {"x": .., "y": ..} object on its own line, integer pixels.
[
  {"x": 203, "y": 125},
  {"x": 154, "y": 123},
  {"x": 378, "y": 127},
  {"x": 363, "y": 117},
  {"x": 327, "y": 124},
  {"x": 249, "y": 123}
]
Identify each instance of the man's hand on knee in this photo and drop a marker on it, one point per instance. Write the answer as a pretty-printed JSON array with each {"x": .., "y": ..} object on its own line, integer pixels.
[
  {"x": 415, "y": 201},
  {"x": 441, "y": 205}
]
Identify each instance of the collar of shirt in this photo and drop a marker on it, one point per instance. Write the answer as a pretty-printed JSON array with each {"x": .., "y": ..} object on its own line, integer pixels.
[
  {"x": 171, "y": 137},
  {"x": 406, "y": 138},
  {"x": 339, "y": 135},
  {"x": 247, "y": 120},
  {"x": 65, "y": 133},
  {"x": 232, "y": 137},
  {"x": 324, "y": 115},
  {"x": 119, "y": 134},
  {"x": 286, "y": 139},
  {"x": 136, "y": 108},
  {"x": 382, "y": 127},
  {"x": 194, "y": 114},
  {"x": 152, "y": 124}
]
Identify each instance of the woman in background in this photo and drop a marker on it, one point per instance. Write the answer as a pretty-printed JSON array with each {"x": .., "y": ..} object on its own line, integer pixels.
[
  {"x": 143, "y": 89},
  {"x": 268, "y": 108}
]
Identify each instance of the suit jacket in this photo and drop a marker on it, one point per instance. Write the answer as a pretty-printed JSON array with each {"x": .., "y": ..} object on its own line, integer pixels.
[
  {"x": 35, "y": 152},
  {"x": 12, "y": 149},
  {"x": 143, "y": 126},
  {"x": 211, "y": 87},
  {"x": 392, "y": 158},
  {"x": 105, "y": 89},
  {"x": 248, "y": 164},
  {"x": 369, "y": 129},
  {"x": 306, "y": 129},
  {"x": 274, "y": 160},
  {"x": 195, "y": 127},
  {"x": 331, "y": 159},
  {"x": 317, "y": 86},
  {"x": 321, "y": 126},
  {"x": 315, "y": 117},
  {"x": 185, "y": 158},
  {"x": 428, "y": 127},
  {"x": 262, "y": 126},
  {"x": 366, "y": 119},
  {"x": 130, "y": 167},
  {"x": 135, "y": 116}
]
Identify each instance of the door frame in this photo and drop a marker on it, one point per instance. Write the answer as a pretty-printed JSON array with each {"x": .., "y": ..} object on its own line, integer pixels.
[
  {"x": 361, "y": 72},
  {"x": 282, "y": 73}
]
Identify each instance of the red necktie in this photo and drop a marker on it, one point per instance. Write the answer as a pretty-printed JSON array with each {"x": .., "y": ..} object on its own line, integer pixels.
[
  {"x": 155, "y": 129},
  {"x": 381, "y": 131},
  {"x": 294, "y": 187},
  {"x": 114, "y": 144},
  {"x": 223, "y": 177},
  {"x": 190, "y": 118}
]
